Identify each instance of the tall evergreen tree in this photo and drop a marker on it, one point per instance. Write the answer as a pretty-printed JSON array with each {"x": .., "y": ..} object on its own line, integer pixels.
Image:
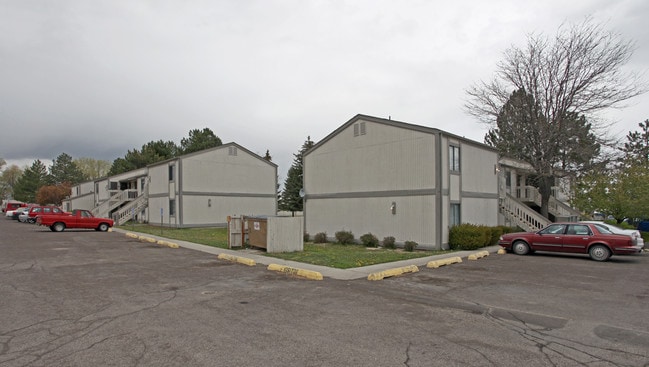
[
  {"x": 290, "y": 199},
  {"x": 637, "y": 145},
  {"x": 199, "y": 140},
  {"x": 64, "y": 169},
  {"x": 32, "y": 179},
  {"x": 523, "y": 132}
]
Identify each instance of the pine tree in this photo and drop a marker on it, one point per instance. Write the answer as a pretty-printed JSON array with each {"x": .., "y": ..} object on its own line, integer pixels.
[
  {"x": 290, "y": 199},
  {"x": 63, "y": 169},
  {"x": 33, "y": 178}
]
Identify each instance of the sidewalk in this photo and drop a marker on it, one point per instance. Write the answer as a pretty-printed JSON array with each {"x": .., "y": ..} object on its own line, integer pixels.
[{"x": 327, "y": 272}]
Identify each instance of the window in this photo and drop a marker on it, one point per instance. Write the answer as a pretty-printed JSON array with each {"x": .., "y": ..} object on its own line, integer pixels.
[
  {"x": 554, "y": 229},
  {"x": 172, "y": 207},
  {"x": 171, "y": 172},
  {"x": 454, "y": 215},
  {"x": 454, "y": 158},
  {"x": 232, "y": 151},
  {"x": 579, "y": 229}
]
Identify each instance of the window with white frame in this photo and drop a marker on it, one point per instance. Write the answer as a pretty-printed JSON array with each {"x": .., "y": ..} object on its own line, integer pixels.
[
  {"x": 454, "y": 158},
  {"x": 171, "y": 172}
]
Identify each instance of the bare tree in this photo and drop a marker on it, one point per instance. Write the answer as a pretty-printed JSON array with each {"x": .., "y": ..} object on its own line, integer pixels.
[{"x": 568, "y": 78}]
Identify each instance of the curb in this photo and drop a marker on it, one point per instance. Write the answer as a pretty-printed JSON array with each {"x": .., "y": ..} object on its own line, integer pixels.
[
  {"x": 478, "y": 255},
  {"x": 309, "y": 274},
  {"x": 237, "y": 259},
  {"x": 131, "y": 235},
  {"x": 441, "y": 262},
  {"x": 393, "y": 272}
]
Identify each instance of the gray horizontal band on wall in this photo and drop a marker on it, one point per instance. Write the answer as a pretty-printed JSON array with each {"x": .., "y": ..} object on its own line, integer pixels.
[
  {"x": 372, "y": 194},
  {"x": 217, "y": 194},
  {"x": 479, "y": 195}
]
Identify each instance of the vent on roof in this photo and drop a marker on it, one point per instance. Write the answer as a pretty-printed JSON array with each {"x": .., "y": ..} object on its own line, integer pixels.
[{"x": 359, "y": 129}]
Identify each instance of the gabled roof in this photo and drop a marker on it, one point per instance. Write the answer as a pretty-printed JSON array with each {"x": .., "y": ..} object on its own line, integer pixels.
[
  {"x": 398, "y": 124},
  {"x": 223, "y": 146}
]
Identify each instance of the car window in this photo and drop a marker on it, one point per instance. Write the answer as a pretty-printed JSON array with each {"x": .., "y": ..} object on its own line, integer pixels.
[
  {"x": 553, "y": 229},
  {"x": 578, "y": 229},
  {"x": 603, "y": 229},
  {"x": 56, "y": 210}
]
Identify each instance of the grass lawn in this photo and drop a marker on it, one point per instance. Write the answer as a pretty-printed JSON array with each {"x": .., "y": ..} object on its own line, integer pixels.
[{"x": 330, "y": 254}]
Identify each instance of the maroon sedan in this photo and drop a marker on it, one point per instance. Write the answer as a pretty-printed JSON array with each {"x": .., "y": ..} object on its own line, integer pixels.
[{"x": 578, "y": 238}]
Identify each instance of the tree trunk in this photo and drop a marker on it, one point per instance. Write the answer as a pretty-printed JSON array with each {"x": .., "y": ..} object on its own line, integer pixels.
[{"x": 545, "y": 189}]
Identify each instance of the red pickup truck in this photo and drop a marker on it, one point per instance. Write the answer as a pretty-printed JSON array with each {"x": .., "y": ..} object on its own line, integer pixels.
[{"x": 79, "y": 218}]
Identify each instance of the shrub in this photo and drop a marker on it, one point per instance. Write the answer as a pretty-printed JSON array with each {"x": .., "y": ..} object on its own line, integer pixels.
[
  {"x": 495, "y": 234},
  {"x": 369, "y": 240},
  {"x": 306, "y": 237},
  {"x": 345, "y": 237},
  {"x": 320, "y": 237},
  {"x": 388, "y": 242},
  {"x": 410, "y": 246},
  {"x": 469, "y": 236}
]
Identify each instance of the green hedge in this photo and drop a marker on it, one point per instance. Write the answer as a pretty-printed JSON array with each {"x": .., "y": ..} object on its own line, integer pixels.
[{"x": 468, "y": 236}]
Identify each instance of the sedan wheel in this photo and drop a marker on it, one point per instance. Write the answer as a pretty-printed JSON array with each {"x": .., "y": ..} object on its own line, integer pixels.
[
  {"x": 520, "y": 248},
  {"x": 103, "y": 227},
  {"x": 599, "y": 253}
]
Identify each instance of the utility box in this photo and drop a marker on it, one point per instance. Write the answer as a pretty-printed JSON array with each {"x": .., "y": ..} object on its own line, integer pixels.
[{"x": 276, "y": 234}]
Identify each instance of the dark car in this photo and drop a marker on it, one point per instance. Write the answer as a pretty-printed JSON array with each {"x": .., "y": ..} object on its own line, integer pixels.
[{"x": 578, "y": 238}]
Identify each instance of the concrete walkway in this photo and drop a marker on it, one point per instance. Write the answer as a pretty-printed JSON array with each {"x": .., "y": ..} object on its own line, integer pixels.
[{"x": 327, "y": 272}]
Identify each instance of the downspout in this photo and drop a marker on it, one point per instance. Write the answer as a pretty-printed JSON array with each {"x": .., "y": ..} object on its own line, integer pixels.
[
  {"x": 438, "y": 192},
  {"x": 179, "y": 194}
]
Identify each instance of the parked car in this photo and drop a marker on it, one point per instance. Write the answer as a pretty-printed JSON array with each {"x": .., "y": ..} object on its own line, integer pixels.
[
  {"x": 43, "y": 210},
  {"x": 11, "y": 205},
  {"x": 634, "y": 233},
  {"x": 18, "y": 212},
  {"x": 571, "y": 237},
  {"x": 79, "y": 218},
  {"x": 23, "y": 217}
]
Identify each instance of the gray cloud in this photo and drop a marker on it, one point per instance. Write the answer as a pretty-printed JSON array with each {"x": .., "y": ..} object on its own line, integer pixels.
[{"x": 98, "y": 78}]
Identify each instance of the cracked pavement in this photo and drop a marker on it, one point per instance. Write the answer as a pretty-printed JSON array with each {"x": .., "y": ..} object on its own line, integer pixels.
[{"x": 85, "y": 298}]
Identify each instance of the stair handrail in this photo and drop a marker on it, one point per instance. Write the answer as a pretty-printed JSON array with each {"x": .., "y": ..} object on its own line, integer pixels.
[
  {"x": 123, "y": 215},
  {"x": 522, "y": 215}
]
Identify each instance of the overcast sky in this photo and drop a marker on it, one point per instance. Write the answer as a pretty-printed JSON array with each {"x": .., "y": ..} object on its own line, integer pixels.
[{"x": 96, "y": 78}]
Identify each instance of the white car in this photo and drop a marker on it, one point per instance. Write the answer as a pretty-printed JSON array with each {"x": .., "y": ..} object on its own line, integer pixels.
[
  {"x": 633, "y": 233},
  {"x": 24, "y": 215},
  {"x": 10, "y": 213}
]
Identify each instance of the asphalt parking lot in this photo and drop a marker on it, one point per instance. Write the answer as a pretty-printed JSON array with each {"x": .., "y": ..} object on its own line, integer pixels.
[{"x": 86, "y": 298}]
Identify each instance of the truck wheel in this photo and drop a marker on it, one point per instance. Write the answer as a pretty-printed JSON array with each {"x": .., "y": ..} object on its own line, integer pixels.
[
  {"x": 57, "y": 227},
  {"x": 103, "y": 227}
]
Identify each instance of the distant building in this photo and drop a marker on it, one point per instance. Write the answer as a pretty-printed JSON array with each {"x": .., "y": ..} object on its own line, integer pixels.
[{"x": 193, "y": 190}]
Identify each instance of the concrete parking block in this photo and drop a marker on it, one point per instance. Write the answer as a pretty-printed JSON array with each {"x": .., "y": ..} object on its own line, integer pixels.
[
  {"x": 441, "y": 262},
  {"x": 393, "y": 272}
]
